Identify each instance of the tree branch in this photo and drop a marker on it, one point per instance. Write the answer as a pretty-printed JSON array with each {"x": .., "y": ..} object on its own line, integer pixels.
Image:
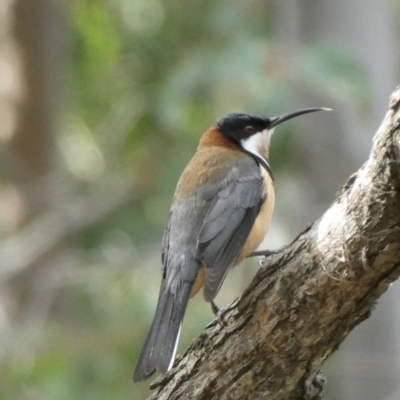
[{"x": 306, "y": 298}]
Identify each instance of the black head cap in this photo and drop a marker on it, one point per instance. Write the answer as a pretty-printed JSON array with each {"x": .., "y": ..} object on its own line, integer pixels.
[{"x": 237, "y": 127}]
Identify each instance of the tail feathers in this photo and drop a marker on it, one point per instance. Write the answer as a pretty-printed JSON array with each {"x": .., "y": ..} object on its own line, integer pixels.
[{"x": 159, "y": 349}]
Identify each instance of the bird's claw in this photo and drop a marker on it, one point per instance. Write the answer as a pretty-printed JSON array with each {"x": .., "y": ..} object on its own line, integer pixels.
[{"x": 263, "y": 253}]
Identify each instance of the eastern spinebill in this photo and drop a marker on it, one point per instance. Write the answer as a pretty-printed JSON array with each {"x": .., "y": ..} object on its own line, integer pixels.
[{"x": 220, "y": 213}]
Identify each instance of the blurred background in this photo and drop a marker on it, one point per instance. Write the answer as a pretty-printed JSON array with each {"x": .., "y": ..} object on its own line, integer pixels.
[{"x": 102, "y": 103}]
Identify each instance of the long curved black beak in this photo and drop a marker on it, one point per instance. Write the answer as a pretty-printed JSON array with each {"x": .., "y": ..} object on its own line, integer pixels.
[{"x": 275, "y": 121}]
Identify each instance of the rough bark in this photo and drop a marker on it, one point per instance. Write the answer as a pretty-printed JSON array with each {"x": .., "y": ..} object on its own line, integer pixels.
[{"x": 307, "y": 297}]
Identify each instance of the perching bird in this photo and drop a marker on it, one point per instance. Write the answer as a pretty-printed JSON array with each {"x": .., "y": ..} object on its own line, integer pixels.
[{"x": 219, "y": 215}]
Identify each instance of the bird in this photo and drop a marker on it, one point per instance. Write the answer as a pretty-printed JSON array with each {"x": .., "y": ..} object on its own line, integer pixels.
[{"x": 220, "y": 213}]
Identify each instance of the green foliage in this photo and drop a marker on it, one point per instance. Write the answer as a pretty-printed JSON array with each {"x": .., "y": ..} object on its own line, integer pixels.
[{"x": 335, "y": 71}]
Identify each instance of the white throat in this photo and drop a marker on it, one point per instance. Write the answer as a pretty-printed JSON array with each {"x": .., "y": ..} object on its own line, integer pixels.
[{"x": 258, "y": 144}]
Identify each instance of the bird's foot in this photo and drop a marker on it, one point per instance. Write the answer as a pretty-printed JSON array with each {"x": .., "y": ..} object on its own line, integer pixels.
[
  {"x": 219, "y": 313},
  {"x": 263, "y": 253}
]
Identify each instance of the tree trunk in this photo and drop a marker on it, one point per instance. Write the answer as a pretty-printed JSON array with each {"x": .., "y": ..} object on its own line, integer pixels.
[
  {"x": 307, "y": 297},
  {"x": 29, "y": 162}
]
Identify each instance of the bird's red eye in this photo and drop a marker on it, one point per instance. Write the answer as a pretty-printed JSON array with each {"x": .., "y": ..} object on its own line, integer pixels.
[{"x": 249, "y": 130}]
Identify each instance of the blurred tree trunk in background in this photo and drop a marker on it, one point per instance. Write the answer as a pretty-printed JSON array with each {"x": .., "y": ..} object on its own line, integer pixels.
[
  {"x": 34, "y": 53},
  {"x": 367, "y": 365}
]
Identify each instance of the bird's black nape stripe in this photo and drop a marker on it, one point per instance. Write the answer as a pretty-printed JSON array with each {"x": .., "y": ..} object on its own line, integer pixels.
[{"x": 263, "y": 162}]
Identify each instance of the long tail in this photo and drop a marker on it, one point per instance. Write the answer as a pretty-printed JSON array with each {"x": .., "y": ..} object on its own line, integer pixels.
[{"x": 158, "y": 352}]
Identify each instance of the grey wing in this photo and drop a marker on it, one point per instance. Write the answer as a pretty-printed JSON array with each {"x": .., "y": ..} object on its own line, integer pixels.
[
  {"x": 165, "y": 243},
  {"x": 228, "y": 223}
]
